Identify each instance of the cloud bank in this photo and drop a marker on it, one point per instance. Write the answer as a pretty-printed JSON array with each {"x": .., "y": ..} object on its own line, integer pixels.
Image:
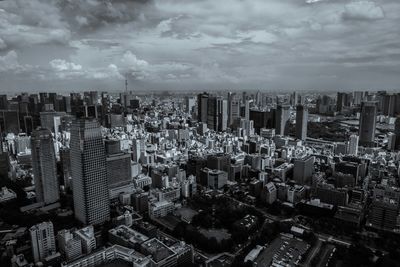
[{"x": 198, "y": 45}]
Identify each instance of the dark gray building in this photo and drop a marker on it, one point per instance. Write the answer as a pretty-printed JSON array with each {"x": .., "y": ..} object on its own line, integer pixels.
[
  {"x": 301, "y": 122},
  {"x": 367, "y": 123},
  {"x": 44, "y": 166}
]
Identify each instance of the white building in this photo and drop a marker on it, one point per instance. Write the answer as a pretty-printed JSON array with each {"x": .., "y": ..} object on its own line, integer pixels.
[
  {"x": 88, "y": 240},
  {"x": 43, "y": 241},
  {"x": 70, "y": 246}
]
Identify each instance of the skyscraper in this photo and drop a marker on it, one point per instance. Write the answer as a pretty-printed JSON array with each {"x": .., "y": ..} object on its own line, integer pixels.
[
  {"x": 233, "y": 110},
  {"x": 189, "y": 104},
  {"x": 44, "y": 166},
  {"x": 118, "y": 165},
  {"x": 301, "y": 122},
  {"x": 340, "y": 101},
  {"x": 43, "y": 241},
  {"x": 282, "y": 117},
  {"x": 247, "y": 109},
  {"x": 89, "y": 175},
  {"x": 367, "y": 123},
  {"x": 303, "y": 170},
  {"x": 217, "y": 113},
  {"x": 397, "y": 132},
  {"x": 202, "y": 101}
]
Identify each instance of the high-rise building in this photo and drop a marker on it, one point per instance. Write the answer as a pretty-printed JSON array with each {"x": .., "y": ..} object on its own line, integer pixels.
[
  {"x": 44, "y": 166},
  {"x": 294, "y": 99},
  {"x": 343, "y": 100},
  {"x": 118, "y": 165},
  {"x": 247, "y": 109},
  {"x": 389, "y": 105},
  {"x": 383, "y": 213},
  {"x": 234, "y": 110},
  {"x": 358, "y": 97},
  {"x": 89, "y": 174},
  {"x": 43, "y": 241},
  {"x": 303, "y": 170},
  {"x": 391, "y": 141},
  {"x": 282, "y": 116},
  {"x": 353, "y": 145},
  {"x": 217, "y": 113},
  {"x": 397, "y": 132},
  {"x": 301, "y": 122},
  {"x": 3, "y": 102},
  {"x": 202, "y": 107},
  {"x": 189, "y": 104},
  {"x": 4, "y": 162},
  {"x": 367, "y": 123}
]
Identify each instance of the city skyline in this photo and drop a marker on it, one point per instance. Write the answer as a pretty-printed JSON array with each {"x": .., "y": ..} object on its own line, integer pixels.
[
  {"x": 207, "y": 45},
  {"x": 183, "y": 133}
]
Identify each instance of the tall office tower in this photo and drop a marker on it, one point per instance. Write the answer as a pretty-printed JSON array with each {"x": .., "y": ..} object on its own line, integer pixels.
[
  {"x": 118, "y": 165},
  {"x": 353, "y": 145},
  {"x": 391, "y": 142},
  {"x": 301, "y": 122},
  {"x": 397, "y": 106},
  {"x": 138, "y": 146},
  {"x": 44, "y": 166},
  {"x": 89, "y": 174},
  {"x": 217, "y": 113},
  {"x": 51, "y": 120},
  {"x": 234, "y": 113},
  {"x": 244, "y": 97},
  {"x": 230, "y": 99},
  {"x": 258, "y": 98},
  {"x": 43, "y": 241},
  {"x": 282, "y": 116},
  {"x": 358, "y": 97},
  {"x": 340, "y": 101},
  {"x": 93, "y": 97},
  {"x": 223, "y": 115},
  {"x": 189, "y": 104},
  {"x": 397, "y": 132},
  {"x": 367, "y": 123},
  {"x": 247, "y": 109},
  {"x": 3, "y": 102},
  {"x": 303, "y": 170},
  {"x": 379, "y": 97},
  {"x": 43, "y": 98},
  {"x": 389, "y": 105},
  {"x": 4, "y": 162},
  {"x": 65, "y": 161},
  {"x": 202, "y": 101},
  {"x": 294, "y": 99}
]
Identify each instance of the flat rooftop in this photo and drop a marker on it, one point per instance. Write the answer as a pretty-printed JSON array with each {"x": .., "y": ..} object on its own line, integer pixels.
[
  {"x": 285, "y": 250},
  {"x": 158, "y": 250}
]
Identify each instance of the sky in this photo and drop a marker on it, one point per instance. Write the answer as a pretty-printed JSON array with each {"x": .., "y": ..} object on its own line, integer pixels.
[{"x": 72, "y": 45}]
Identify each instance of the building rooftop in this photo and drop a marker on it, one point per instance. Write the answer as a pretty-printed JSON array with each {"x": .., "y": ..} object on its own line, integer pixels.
[{"x": 158, "y": 250}]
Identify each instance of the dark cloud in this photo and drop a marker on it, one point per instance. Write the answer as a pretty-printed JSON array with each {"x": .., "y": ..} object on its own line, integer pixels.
[{"x": 92, "y": 14}]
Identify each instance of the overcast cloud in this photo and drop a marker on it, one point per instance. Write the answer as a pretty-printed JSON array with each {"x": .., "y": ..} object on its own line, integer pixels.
[{"x": 199, "y": 44}]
